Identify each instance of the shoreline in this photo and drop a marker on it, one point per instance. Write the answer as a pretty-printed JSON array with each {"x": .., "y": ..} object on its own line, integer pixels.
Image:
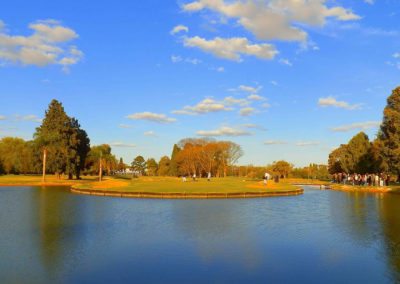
[
  {"x": 185, "y": 195},
  {"x": 366, "y": 189}
]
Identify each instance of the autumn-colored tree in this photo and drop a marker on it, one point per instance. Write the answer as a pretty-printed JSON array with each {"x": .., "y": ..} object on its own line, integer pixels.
[{"x": 281, "y": 168}]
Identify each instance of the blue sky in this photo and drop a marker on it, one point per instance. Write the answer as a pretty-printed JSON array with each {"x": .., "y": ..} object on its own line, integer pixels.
[{"x": 284, "y": 79}]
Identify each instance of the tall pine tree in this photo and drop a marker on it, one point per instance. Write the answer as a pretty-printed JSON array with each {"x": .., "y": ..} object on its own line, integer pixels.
[
  {"x": 64, "y": 142},
  {"x": 389, "y": 135}
]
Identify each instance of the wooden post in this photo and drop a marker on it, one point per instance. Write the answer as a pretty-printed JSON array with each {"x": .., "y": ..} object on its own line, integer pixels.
[
  {"x": 44, "y": 165},
  {"x": 100, "y": 169}
]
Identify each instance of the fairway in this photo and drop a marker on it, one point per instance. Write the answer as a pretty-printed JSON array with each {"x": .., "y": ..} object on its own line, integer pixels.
[{"x": 176, "y": 185}]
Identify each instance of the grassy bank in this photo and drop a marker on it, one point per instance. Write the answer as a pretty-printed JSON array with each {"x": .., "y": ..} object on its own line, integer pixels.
[
  {"x": 161, "y": 187},
  {"x": 35, "y": 180},
  {"x": 357, "y": 188}
]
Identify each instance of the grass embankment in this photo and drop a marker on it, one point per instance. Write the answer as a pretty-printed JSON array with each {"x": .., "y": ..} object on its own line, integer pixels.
[
  {"x": 35, "y": 180},
  {"x": 304, "y": 181},
  {"x": 169, "y": 187},
  {"x": 358, "y": 188}
]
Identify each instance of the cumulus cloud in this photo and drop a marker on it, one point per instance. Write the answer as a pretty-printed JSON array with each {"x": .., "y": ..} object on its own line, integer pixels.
[
  {"x": 331, "y": 101},
  {"x": 178, "y": 29},
  {"x": 247, "y": 111},
  {"x": 122, "y": 145},
  {"x": 275, "y": 142},
  {"x": 153, "y": 117},
  {"x": 357, "y": 126},
  {"x": 255, "y": 97},
  {"x": 369, "y": 1},
  {"x": 307, "y": 143},
  {"x": 396, "y": 55},
  {"x": 205, "y": 106},
  {"x": 48, "y": 44},
  {"x": 232, "y": 48},
  {"x": 249, "y": 89},
  {"x": 275, "y": 19},
  {"x": 2, "y": 117},
  {"x": 223, "y": 131},
  {"x": 230, "y": 101}
]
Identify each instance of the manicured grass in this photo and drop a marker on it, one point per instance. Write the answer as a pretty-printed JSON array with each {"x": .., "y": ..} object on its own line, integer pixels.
[
  {"x": 175, "y": 185},
  {"x": 306, "y": 181},
  {"x": 33, "y": 180},
  {"x": 358, "y": 188}
]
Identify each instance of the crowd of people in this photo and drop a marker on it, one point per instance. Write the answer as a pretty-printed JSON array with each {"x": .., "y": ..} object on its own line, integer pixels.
[{"x": 362, "y": 179}]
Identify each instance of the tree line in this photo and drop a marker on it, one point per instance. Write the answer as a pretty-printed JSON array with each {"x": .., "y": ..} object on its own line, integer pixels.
[
  {"x": 61, "y": 147},
  {"x": 193, "y": 156},
  {"x": 362, "y": 156}
]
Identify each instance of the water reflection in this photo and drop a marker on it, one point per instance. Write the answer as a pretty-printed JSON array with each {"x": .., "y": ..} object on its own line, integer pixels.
[
  {"x": 219, "y": 231},
  {"x": 49, "y": 235},
  {"x": 390, "y": 220}
]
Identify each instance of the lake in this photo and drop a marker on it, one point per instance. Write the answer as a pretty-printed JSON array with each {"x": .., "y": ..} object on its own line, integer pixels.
[{"x": 49, "y": 235}]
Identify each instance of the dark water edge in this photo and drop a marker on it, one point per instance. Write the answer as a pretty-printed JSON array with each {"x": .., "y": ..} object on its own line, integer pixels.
[{"x": 49, "y": 235}]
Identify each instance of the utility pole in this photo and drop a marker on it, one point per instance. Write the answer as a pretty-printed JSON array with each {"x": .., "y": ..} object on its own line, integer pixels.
[
  {"x": 44, "y": 165},
  {"x": 100, "y": 167}
]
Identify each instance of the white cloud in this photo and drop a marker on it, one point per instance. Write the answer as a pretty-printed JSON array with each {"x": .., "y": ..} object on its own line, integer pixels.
[
  {"x": 220, "y": 69},
  {"x": 396, "y": 55},
  {"x": 230, "y": 101},
  {"x": 275, "y": 19},
  {"x": 177, "y": 59},
  {"x": 247, "y": 111},
  {"x": 205, "y": 106},
  {"x": 275, "y": 142},
  {"x": 45, "y": 46},
  {"x": 266, "y": 105},
  {"x": 223, "y": 131},
  {"x": 249, "y": 89},
  {"x": 232, "y": 48},
  {"x": 178, "y": 29},
  {"x": 246, "y": 89},
  {"x": 2, "y": 117},
  {"x": 274, "y": 83},
  {"x": 150, "y": 133},
  {"x": 331, "y": 101},
  {"x": 122, "y": 145},
  {"x": 255, "y": 97},
  {"x": 29, "y": 117},
  {"x": 149, "y": 116},
  {"x": 285, "y": 62},
  {"x": 193, "y": 61},
  {"x": 369, "y": 1},
  {"x": 307, "y": 143},
  {"x": 357, "y": 126}
]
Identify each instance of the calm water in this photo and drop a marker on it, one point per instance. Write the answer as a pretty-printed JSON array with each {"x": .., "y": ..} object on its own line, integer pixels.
[{"x": 49, "y": 235}]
